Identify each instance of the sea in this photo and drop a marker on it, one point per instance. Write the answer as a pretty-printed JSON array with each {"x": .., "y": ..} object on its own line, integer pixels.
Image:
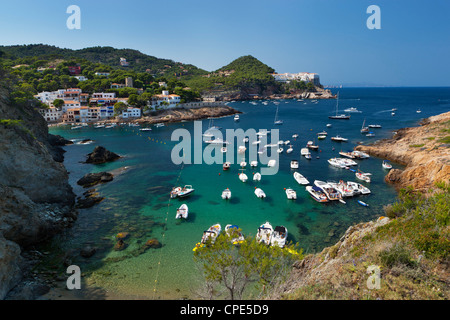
[{"x": 137, "y": 200}]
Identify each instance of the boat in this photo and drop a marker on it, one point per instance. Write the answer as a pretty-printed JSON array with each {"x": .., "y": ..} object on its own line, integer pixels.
[
  {"x": 363, "y": 203},
  {"x": 277, "y": 121},
  {"x": 234, "y": 233},
  {"x": 295, "y": 136},
  {"x": 289, "y": 150},
  {"x": 256, "y": 142},
  {"x": 279, "y": 236},
  {"x": 345, "y": 189},
  {"x": 226, "y": 165},
  {"x": 287, "y": 142},
  {"x": 243, "y": 177},
  {"x": 363, "y": 128},
  {"x": 281, "y": 142},
  {"x": 335, "y": 162},
  {"x": 210, "y": 235},
  {"x": 418, "y": 111},
  {"x": 254, "y": 163},
  {"x": 264, "y": 233},
  {"x": 182, "y": 212},
  {"x": 262, "y": 150},
  {"x": 377, "y": 126},
  {"x": 99, "y": 126},
  {"x": 363, "y": 176},
  {"x": 263, "y": 132},
  {"x": 329, "y": 125},
  {"x": 145, "y": 129},
  {"x": 392, "y": 113},
  {"x": 360, "y": 155},
  {"x": 272, "y": 163},
  {"x": 186, "y": 191},
  {"x": 311, "y": 145},
  {"x": 338, "y": 138},
  {"x": 317, "y": 194},
  {"x": 226, "y": 194},
  {"x": 308, "y": 156},
  {"x": 260, "y": 193},
  {"x": 300, "y": 178},
  {"x": 348, "y": 154},
  {"x": 236, "y": 117},
  {"x": 358, "y": 188},
  {"x": 217, "y": 141},
  {"x": 257, "y": 177},
  {"x": 76, "y": 127},
  {"x": 304, "y": 152},
  {"x": 291, "y": 194},
  {"x": 159, "y": 125},
  {"x": 370, "y": 134},
  {"x": 386, "y": 165},
  {"x": 331, "y": 193},
  {"x": 352, "y": 109},
  {"x": 245, "y": 140},
  {"x": 223, "y": 149},
  {"x": 339, "y": 116},
  {"x": 174, "y": 192},
  {"x": 241, "y": 149},
  {"x": 294, "y": 164},
  {"x": 280, "y": 150},
  {"x": 321, "y": 137},
  {"x": 323, "y": 133}
]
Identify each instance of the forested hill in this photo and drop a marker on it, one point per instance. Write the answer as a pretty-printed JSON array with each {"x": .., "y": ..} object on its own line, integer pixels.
[{"x": 138, "y": 61}]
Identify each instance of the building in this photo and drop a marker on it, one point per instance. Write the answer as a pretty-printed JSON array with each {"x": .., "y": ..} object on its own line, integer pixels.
[
  {"x": 74, "y": 70},
  {"x": 124, "y": 63},
  {"x": 102, "y": 74},
  {"x": 131, "y": 112},
  {"x": 129, "y": 82},
  {"x": 165, "y": 99},
  {"x": 51, "y": 114},
  {"x": 81, "y": 78},
  {"x": 70, "y": 104},
  {"x": 301, "y": 76},
  {"x": 104, "y": 95},
  {"x": 117, "y": 85}
]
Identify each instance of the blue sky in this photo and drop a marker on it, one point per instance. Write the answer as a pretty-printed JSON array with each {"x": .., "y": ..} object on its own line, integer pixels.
[{"x": 329, "y": 37}]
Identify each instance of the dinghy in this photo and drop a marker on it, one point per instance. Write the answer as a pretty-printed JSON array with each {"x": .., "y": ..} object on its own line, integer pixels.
[
  {"x": 182, "y": 212},
  {"x": 279, "y": 236},
  {"x": 386, "y": 165},
  {"x": 260, "y": 193},
  {"x": 235, "y": 235},
  {"x": 300, "y": 178},
  {"x": 264, "y": 233},
  {"x": 291, "y": 194},
  {"x": 257, "y": 177},
  {"x": 294, "y": 164},
  {"x": 226, "y": 194}
]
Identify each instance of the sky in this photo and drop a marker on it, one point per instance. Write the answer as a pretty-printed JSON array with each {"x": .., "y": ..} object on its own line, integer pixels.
[{"x": 328, "y": 37}]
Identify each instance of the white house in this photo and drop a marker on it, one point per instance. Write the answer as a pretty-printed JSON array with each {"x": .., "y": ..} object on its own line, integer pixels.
[
  {"x": 81, "y": 78},
  {"x": 131, "y": 112},
  {"x": 104, "y": 95},
  {"x": 70, "y": 104},
  {"x": 51, "y": 114},
  {"x": 301, "y": 76},
  {"x": 104, "y": 74},
  {"x": 171, "y": 99}
]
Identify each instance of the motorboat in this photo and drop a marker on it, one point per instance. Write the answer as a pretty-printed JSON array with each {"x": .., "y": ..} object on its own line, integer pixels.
[
  {"x": 287, "y": 142},
  {"x": 281, "y": 142},
  {"x": 321, "y": 137},
  {"x": 370, "y": 134},
  {"x": 295, "y": 136},
  {"x": 338, "y": 138},
  {"x": 159, "y": 125},
  {"x": 256, "y": 142},
  {"x": 335, "y": 162},
  {"x": 145, "y": 129},
  {"x": 304, "y": 152},
  {"x": 175, "y": 191},
  {"x": 236, "y": 117},
  {"x": 294, "y": 164},
  {"x": 300, "y": 178},
  {"x": 263, "y": 132},
  {"x": 217, "y": 141},
  {"x": 262, "y": 150},
  {"x": 99, "y": 126},
  {"x": 376, "y": 126},
  {"x": 386, "y": 165},
  {"x": 245, "y": 140},
  {"x": 210, "y": 235},
  {"x": 331, "y": 193},
  {"x": 311, "y": 145},
  {"x": 257, "y": 177},
  {"x": 76, "y": 127},
  {"x": 260, "y": 193},
  {"x": 317, "y": 194},
  {"x": 271, "y": 145},
  {"x": 186, "y": 191},
  {"x": 339, "y": 116},
  {"x": 358, "y": 188},
  {"x": 280, "y": 150},
  {"x": 279, "y": 236},
  {"x": 344, "y": 188},
  {"x": 418, "y": 111},
  {"x": 348, "y": 154},
  {"x": 272, "y": 163},
  {"x": 182, "y": 212},
  {"x": 241, "y": 149},
  {"x": 352, "y": 109},
  {"x": 264, "y": 233},
  {"x": 226, "y": 194},
  {"x": 243, "y": 164},
  {"x": 323, "y": 133},
  {"x": 226, "y": 165},
  {"x": 223, "y": 149},
  {"x": 329, "y": 125},
  {"x": 360, "y": 155},
  {"x": 363, "y": 176},
  {"x": 234, "y": 233},
  {"x": 308, "y": 156},
  {"x": 243, "y": 177},
  {"x": 289, "y": 150},
  {"x": 291, "y": 194},
  {"x": 254, "y": 163}
]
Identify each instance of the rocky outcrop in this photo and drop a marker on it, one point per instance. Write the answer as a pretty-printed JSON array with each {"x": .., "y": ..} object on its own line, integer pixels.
[
  {"x": 36, "y": 200},
  {"x": 101, "y": 155},
  {"x": 92, "y": 179},
  {"x": 424, "y": 150}
]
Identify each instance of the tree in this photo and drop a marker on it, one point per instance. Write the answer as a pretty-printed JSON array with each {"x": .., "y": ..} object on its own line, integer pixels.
[
  {"x": 119, "y": 107},
  {"x": 230, "y": 268},
  {"x": 58, "y": 103}
]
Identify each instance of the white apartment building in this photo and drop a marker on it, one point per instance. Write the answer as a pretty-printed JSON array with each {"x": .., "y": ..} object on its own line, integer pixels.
[
  {"x": 70, "y": 104},
  {"x": 171, "y": 99},
  {"x": 131, "y": 112},
  {"x": 301, "y": 76},
  {"x": 51, "y": 114},
  {"x": 104, "y": 95}
]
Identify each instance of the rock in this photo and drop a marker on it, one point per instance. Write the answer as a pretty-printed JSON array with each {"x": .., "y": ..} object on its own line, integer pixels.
[
  {"x": 84, "y": 203},
  {"x": 122, "y": 235},
  {"x": 120, "y": 245},
  {"x": 152, "y": 243},
  {"x": 101, "y": 155},
  {"x": 87, "y": 252},
  {"x": 92, "y": 179}
]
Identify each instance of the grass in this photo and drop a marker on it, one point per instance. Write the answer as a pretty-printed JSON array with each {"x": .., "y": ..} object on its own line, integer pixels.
[
  {"x": 416, "y": 145},
  {"x": 445, "y": 139}
]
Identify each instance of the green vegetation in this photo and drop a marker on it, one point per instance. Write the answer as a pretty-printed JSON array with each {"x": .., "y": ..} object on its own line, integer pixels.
[
  {"x": 417, "y": 145},
  {"x": 445, "y": 139},
  {"x": 229, "y": 269}
]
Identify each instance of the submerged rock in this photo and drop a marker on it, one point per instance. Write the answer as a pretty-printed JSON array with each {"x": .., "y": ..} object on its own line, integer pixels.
[
  {"x": 101, "y": 155},
  {"x": 92, "y": 179},
  {"x": 120, "y": 245},
  {"x": 152, "y": 243}
]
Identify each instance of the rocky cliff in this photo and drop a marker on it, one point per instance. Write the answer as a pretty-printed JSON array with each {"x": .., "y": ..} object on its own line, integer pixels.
[
  {"x": 424, "y": 150},
  {"x": 36, "y": 200}
]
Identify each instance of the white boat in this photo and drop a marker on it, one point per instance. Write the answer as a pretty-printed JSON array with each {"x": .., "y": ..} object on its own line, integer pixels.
[
  {"x": 386, "y": 165},
  {"x": 256, "y": 142},
  {"x": 254, "y": 164},
  {"x": 262, "y": 150},
  {"x": 291, "y": 194},
  {"x": 352, "y": 109},
  {"x": 363, "y": 128},
  {"x": 300, "y": 178},
  {"x": 226, "y": 165},
  {"x": 243, "y": 164},
  {"x": 323, "y": 133},
  {"x": 217, "y": 141},
  {"x": 358, "y": 187},
  {"x": 241, "y": 149},
  {"x": 418, "y": 111},
  {"x": 226, "y": 194},
  {"x": 360, "y": 155},
  {"x": 294, "y": 164},
  {"x": 279, "y": 236},
  {"x": 76, "y": 127},
  {"x": 257, "y": 177},
  {"x": 311, "y": 145},
  {"x": 289, "y": 150},
  {"x": 392, "y": 113},
  {"x": 336, "y": 163},
  {"x": 182, "y": 212},
  {"x": 370, "y": 134},
  {"x": 243, "y": 177},
  {"x": 280, "y": 142},
  {"x": 159, "y": 125},
  {"x": 332, "y": 193},
  {"x": 308, "y": 156},
  {"x": 174, "y": 192},
  {"x": 272, "y": 163},
  {"x": 99, "y": 126},
  {"x": 264, "y": 233},
  {"x": 287, "y": 142},
  {"x": 236, "y": 117},
  {"x": 329, "y": 125},
  {"x": 233, "y": 232},
  {"x": 260, "y": 193},
  {"x": 304, "y": 152},
  {"x": 363, "y": 176},
  {"x": 223, "y": 149},
  {"x": 280, "y": 150},
  {"x": 377, "y": 126},
  {"x": 338, "y": 138},
  {"x": 145, "y": 129},
  {"x": 321, "y": 137},
  {"x": 186, "y": 191},
  {"x": 339, "y": 116},
  {"x": 245, "y": 140},
  {"x": 295, "y": 136},
  {"x": 317, "y": 194},
  {"x": 263, "y": 132},
  {"x": 271, "y": 145},
  {"x": 348, "y": 154},
  {"x": 277, "y": 121},
  {"x": 210, "y": 235},
  {"x": 344, "y": 188}
]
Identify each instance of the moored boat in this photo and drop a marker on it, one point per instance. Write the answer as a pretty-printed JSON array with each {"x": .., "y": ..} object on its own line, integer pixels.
[
  {"x": 291, "y": 194},
  {"x": 279, "y": 236},
  {"x": 300, "y": 178},
  {"x": 186, "y": 191},
  {"x": 317, "y": 194},
  {"x": 260, "y": 193},
  {"x": 182, "y": 212},
  {"x": 233, "y": 231},
  {"x": 226, "y": 194},
  {"x": 264, "y": 233}
]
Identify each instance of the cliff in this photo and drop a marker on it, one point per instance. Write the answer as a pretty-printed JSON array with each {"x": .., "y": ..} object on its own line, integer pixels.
[
  {"x": 36, "y": 199},
  {"x": 424, "y": 150}
]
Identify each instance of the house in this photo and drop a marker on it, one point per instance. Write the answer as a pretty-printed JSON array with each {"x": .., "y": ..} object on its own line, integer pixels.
[
  {"x": 51, "y": 114},
  {"x": 70, "y": 104},
  {"x": 131, "y": 112},
  {"x": 104, "y": 95},
  {"x": 81, "y": 78},
  {"x": 165, "y": 99},
  {"x": 74, "y": 70},
  {"x": 124, "y": 63},
  {"x": 117, "y": 85}
]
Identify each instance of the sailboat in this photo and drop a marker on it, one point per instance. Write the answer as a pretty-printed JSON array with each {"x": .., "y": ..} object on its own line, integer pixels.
[
  {"x": 339, "y": 116},
  {"x": 363, "y": 128},
  {"x": 277, "y": 121}
]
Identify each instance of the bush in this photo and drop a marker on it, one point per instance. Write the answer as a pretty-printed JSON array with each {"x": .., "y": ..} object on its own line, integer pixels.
[{"x": 397, "y": 255}]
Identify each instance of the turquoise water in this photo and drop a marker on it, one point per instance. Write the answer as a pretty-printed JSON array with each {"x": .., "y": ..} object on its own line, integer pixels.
[{"x": 137, "y": 200}]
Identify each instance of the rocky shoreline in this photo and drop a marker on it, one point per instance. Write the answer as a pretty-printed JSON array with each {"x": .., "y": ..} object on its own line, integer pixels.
[{"x": 424, "y": 150}]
